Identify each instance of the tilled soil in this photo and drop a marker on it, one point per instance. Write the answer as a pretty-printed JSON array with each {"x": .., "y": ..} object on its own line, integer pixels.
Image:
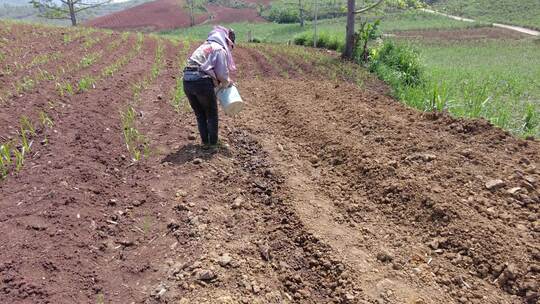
[{"x": 321, "y": 192}]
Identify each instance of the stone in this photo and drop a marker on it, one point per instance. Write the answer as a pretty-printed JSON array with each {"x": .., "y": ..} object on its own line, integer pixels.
[
  {"x": 197, "y": 161},
  {"x": 256, "y": 288},
  {"x": 509, "y": 273},
  {"x": 181, "y": 193},
  {"x": 192, "y": 137},
  {"x": 237, "y": 203},
  {"x": 434, "y": 244},
  {"x": 224, "y": 260},
  {"x": 530, "y": 179},
  {"x": 264, "y": 250},
  {"x": 495, "y": 184},
  {"x": 159, "y": 291},
  {"x": 206, "y": 275},
  {"x": 385, "y": 256},
  {"x": 514, "y": 190},
  {"x": 425, "y": 157}
]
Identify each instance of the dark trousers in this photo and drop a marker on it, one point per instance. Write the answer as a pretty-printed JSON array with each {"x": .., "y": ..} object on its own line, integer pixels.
[{"x": 203, "y": 101}]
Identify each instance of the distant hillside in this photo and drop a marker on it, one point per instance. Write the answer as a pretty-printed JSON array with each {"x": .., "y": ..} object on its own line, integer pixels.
[
  {"x": 519, "y": 12},
  {"x": 162, "y": 15},
  {"x": 21, "y": 10}
]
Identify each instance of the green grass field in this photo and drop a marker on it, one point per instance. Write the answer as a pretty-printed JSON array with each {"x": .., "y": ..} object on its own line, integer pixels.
[
  {"x": 497, "y": 79},
  {"x": 274, "y": 32},
  {"x": 518, "y": 12}
]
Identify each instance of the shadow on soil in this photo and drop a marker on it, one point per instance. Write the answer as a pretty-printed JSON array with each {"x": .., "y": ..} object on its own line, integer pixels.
[{"x": 190, "y": 152}]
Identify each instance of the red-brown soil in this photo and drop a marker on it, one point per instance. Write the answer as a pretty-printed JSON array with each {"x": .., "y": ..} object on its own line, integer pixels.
[
  {"x": 462, "y": 34},
  {"x": 170, "y": 14},
  {"x": 321, "y": 192},
  {"x": 151, "y": 16}
]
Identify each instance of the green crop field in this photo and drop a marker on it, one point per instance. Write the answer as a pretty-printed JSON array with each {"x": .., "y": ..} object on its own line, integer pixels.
[{"x": 518, "y": 12}]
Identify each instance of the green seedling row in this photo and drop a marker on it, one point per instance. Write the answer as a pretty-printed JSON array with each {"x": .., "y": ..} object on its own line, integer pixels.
[
  {"x": 178, "y": 100},
  {"x": 13, "y": 153},
  {"x": 137, "y": 144}
]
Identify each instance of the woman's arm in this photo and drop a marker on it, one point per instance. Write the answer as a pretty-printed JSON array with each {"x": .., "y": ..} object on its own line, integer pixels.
[{"x": 221, "y": 69}]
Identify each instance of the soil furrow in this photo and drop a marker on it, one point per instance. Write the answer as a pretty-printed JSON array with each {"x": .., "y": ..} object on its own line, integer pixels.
[
  {"x": 45, "y": 95},
  {"x": 403, "y": 195},
  {"x": 83, "y": 197}
]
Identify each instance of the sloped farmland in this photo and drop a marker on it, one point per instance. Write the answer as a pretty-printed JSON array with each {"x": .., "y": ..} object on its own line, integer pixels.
[
  {"x": 162, "y": 15},
  {"x": 325, "y": 190}
]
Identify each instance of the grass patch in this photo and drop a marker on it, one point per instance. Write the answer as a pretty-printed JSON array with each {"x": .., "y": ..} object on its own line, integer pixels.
[
  {"x": 274, "y": 32},
  {"x": 519, "y": 12},
  {"x": 489, "y": 79}
]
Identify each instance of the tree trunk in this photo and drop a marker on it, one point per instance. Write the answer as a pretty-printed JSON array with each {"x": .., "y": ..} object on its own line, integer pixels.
[
  {"x": 349, "y": 38},
  {"x": 301, "y": 12},
  {"x": 192, "y": 18},
  {"x": 315, "y": 24},
  {"x": 72, "y": 16}
]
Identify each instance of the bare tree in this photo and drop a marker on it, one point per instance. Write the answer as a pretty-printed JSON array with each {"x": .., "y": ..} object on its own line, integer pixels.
[
  {"x": 350, "y": 35},
  {"x": 65, "y": 9}
]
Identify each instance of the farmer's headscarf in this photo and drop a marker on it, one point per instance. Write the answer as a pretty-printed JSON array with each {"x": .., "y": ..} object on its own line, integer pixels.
[{"x": 221, "y": 35}]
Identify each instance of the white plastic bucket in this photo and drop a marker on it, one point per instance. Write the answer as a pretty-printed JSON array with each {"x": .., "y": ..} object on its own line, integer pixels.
[{"x": 230, "y": 100}]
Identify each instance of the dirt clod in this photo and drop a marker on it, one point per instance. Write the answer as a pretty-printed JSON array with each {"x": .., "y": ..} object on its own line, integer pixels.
[
  {"x": 206, "y": 275},
  {"x": 224, "y": 260},
  {"x": 495, "y": 184},
  {"x": 385, "y": 256}
]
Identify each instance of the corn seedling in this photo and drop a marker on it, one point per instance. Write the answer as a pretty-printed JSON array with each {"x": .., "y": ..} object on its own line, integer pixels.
[
  {"x": 439, "y": 99},
  {"x": 44, "y": 75},
  {"x": 178, "y": 94},
  {"x": 90, "y": 42},
  {"x": 531, "y": 120},
  {"x": 64, "y": 89},
  {"x": 26, "y": 85},
  {"x": 5, "y": 159},
  {"x": 46, "y": 121},
  {"x": 24, "y": 142},
  {"x": 27, "y": 126},
  {"x": 19, "y": 159},
  {"x": 86, "y": 84},
  {"x": 88, "y": 60},
  {"x": 136, "y": 143},
  {"x": 147, "y": 224},
  {"x": 5, "y": 153},
  {"x": 158, "y": 62},
  {"x": 44, "y": 58},
  {"x": 67, "y": 38},
  {"x": 100, "y": 299}
]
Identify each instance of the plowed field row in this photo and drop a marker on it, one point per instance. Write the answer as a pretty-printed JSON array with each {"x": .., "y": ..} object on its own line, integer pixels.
[{"x": 322, "y": 191}]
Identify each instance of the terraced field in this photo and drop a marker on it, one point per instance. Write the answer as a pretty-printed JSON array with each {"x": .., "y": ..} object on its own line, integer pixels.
[{"x": 324, "y": 190}]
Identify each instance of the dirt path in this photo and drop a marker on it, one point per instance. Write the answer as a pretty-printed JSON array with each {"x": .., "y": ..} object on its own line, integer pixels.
[{"x": 506, "y": 26}]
